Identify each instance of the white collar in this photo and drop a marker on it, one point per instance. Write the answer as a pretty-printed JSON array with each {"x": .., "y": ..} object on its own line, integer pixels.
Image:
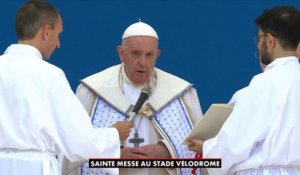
[
  {"x": 24, "y": 50},
  {"x": 282, "y": 61},
  {"x": 106, "y": 84}
]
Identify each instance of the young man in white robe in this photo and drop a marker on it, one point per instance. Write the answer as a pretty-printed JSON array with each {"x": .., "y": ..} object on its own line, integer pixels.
[
  {"x": 166, "y": 117},
  {"x": 261, "y": 136},
  {"x": 41, "y": 118}
]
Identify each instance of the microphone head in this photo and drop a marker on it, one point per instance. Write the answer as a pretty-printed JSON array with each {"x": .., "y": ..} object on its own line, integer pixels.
[
  {"x": 147, "y": 89},
  {"x": 145, "y": 93}
]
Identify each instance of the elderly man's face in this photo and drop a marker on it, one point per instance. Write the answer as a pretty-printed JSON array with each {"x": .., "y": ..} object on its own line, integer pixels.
[{"x": 139, "y": 54}]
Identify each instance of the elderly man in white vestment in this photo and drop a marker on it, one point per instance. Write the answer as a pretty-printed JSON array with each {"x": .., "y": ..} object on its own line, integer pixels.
[
  {"x": 40, "y": 115},
  {"x": 166, "y": 117},
  {"x": 262, "y": 135}
]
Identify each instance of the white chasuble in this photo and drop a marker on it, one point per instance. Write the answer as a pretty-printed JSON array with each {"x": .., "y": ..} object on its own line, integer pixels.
[
  {"x": 168, "y": 115},
  {"x": 168, "y": 122}
]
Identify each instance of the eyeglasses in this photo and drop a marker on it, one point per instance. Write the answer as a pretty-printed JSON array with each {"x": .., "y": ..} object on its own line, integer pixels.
[{"x": 256, "y": 38}]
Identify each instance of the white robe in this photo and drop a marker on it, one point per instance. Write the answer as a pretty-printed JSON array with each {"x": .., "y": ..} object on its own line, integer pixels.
[
  {"x": 41, "y": 117},
  {"x": 167, "y": 87},
  {"x": 237, "y": 95},
  {"x": 262, "y": 135}
]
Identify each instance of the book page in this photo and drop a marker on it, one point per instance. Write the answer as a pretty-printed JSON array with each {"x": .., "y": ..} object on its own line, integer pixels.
[{"x": 212, "y": 121}]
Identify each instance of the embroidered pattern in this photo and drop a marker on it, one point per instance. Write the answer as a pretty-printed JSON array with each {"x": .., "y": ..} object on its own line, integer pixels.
[
  {"x": 172, "y": 119},
  {"x": 103, "y": 116},
  {"x": 175, "y": 123}
]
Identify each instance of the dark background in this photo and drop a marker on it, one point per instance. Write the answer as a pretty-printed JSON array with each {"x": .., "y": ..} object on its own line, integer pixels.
[{"x": 206, "y": 42}]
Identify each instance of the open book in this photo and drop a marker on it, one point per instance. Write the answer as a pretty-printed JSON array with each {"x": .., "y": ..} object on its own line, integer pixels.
[{"x": 212, "y": 121}]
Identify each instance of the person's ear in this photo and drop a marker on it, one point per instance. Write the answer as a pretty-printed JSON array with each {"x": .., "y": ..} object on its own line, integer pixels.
[
  {"x": 45, "y": 31},
  {"x": 158, "y": 53},
  {"x": 271, "y": 41},
  {"x": 120, "y": 52}
]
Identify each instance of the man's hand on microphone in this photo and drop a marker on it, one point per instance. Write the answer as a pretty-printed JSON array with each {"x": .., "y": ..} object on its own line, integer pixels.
[{"x": 124, "y": 128}]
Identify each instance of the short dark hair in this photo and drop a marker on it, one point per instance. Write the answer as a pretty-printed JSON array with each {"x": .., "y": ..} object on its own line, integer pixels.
[
  {"x": 32, "y": 16},
  {"x": 282, "y": 22}
]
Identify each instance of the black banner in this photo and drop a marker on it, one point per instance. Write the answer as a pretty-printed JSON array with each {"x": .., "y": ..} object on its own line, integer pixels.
[{"x": 155, "y": 163}]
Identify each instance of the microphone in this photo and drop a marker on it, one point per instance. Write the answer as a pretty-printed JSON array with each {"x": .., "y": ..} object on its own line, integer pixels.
[{"x": 142, "y": 98}]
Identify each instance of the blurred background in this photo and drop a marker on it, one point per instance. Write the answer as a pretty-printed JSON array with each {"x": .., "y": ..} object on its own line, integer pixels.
[{"x": 206, "y": 42}]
